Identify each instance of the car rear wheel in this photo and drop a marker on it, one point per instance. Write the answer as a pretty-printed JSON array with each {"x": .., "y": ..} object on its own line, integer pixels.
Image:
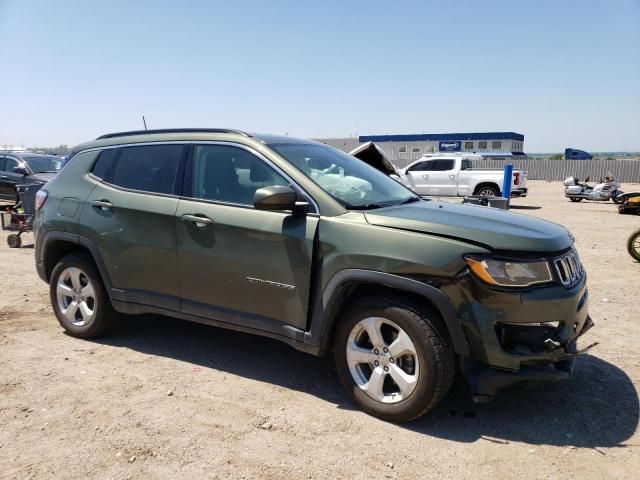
[
  {"x": 394, "y": 358},
  {"x": 488, "y": 191},
  {"x": 575, "y": 199},
  {"x": 78, "y": 297}
]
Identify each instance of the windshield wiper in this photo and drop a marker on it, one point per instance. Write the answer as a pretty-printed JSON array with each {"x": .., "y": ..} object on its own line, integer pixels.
[
  {"x": 369, "y": 206},
  {"x": 410, "y": 200}
]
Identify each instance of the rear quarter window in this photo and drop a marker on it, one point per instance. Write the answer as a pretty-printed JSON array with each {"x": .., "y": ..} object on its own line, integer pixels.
[{"x": 105, "y": 162}]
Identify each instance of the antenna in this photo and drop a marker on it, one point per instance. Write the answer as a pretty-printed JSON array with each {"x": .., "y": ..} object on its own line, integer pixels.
[{"x": 145, "y": 122}]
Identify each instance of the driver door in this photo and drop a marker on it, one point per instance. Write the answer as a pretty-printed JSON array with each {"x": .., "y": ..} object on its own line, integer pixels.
[
  {"x": 238, "y": 264},
  {"x": 418, "y": 176}
]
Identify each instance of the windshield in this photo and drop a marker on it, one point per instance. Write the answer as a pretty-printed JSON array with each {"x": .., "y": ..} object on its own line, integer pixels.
[
  {"x": 352, "y": 182},
  {"x": 44, "y": 163}
]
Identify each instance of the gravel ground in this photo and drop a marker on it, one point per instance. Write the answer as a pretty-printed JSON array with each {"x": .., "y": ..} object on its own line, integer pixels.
[{"x": 163, "y": 398}]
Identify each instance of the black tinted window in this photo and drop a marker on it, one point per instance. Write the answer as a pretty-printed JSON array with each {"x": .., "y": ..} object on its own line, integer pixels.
[
  {"x": 230, "y": 174},
  {"x": 466, "y": 164},
  {"x": 10, "y": 164},
  {"x": 423, "y": 166},
  {"x": 150, "y": 168},
  {"x": 104, "y": 164},
  {"x": 1, "y": 163},
  {"x": 443, "y": 165}
]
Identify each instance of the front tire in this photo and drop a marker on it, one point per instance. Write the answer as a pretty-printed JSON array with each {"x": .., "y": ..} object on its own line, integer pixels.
[
  {"x": 79, "y": 298},
  {"x": 394, "y": 358},
  {"x": 14, "y": 241},
  {"x": 633, "y": 245},
  {"x": 575, "y": 199}
]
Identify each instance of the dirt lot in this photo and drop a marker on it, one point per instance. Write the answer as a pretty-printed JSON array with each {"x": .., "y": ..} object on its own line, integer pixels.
[{"x": 162, "y": 398}]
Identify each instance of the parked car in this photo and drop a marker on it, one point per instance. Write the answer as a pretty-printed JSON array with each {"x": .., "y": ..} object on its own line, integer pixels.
[
  {"x": 25, "y": 168},
  {"x": 455, "y": 175},
  {"x": 298, "y": 241}
]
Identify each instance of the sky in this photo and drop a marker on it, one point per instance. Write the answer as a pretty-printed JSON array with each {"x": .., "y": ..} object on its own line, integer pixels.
[{"x": 563, "y": 73}]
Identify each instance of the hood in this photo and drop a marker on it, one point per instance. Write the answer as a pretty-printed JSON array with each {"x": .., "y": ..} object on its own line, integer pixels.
[
  {"x": 494, "y": 228},
  {"x": 373, "y": 155}
]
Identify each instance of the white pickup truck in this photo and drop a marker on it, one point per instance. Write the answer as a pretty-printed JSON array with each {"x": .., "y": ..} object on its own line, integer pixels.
[{"x": 454, "y": 175}]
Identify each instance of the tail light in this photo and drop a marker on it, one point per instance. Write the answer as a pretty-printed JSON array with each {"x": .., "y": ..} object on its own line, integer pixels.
[
  {"x": 41, "y": 197},
  {"x": 516, "y": 178}
]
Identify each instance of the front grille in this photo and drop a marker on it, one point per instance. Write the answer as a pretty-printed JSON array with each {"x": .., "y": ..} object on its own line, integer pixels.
[{"x": 569, "y": 268}]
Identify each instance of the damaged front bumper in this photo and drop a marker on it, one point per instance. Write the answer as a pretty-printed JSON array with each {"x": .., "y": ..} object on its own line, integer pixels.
[
  {"x": 485, "y": 382},
  {"x": 519, "y": 336}
]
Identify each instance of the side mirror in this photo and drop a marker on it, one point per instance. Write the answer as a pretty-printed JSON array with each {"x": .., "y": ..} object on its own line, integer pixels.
[
  {"x": 278, "y": 198},
  {"x": 20, "y": 171}
]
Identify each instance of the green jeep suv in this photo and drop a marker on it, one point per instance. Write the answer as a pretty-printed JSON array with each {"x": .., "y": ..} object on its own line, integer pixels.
[{"x": 301, "y": 242}]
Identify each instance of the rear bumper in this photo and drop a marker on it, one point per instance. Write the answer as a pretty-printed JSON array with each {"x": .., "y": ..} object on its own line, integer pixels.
[{"x": 519, "y": 192}]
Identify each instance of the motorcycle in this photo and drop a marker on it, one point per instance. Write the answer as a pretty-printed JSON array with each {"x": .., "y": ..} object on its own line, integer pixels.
[
  {"x": 603, "y": 191},
  {"x": 633, "y": 245}
]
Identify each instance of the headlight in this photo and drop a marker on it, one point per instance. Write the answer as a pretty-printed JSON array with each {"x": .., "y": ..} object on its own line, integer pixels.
[{"x": 510, "y": 273}]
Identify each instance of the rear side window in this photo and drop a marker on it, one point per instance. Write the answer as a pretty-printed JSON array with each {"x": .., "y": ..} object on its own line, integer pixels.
[
  {"x": 105, "y": 162},
  {"x": 149, "y": 168},
  {"x": 1, "y": 163},
  {"x": 443, "y": 165}
]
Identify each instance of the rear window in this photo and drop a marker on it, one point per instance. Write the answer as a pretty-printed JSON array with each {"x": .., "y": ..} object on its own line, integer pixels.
[{"x": 149, "y": 168}]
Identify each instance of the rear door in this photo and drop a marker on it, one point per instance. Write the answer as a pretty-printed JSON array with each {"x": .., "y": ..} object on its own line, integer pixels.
[
  {"x": 443, "y": 179},
  {"x": 241, "y": 265},
  {"x": 130, "y": 217}
]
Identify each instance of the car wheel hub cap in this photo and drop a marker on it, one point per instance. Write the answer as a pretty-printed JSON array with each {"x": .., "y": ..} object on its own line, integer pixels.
[
  {"x": 382, "y": 360},
  {"x": 76, "y": 296}
]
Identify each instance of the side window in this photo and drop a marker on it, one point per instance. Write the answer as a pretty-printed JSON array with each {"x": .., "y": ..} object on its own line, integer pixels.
[
  {"x": 423, "y": 166},
  {"x": 104, "y": 164},
  {"x": 230, "y": 174},
  {"x": 444, "y": 165},
  {"x": 10, "y": 164},
  {"x": 1, "y": 163},
  {"x": 149, "y": 168},
  {"x": 466, "y": 164}
]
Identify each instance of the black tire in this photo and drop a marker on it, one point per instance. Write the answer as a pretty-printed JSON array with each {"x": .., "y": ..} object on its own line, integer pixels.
[
  {"x": 14, "y": 241},
  {"x": 633, "y": 245},
  {"x": 616, "y": 200},
  {"x": 488, "y": 191},
  {"x": 103, "y": 313},
  {"x": 574, "y": 199},
  {"x": 433, "y": 347}
]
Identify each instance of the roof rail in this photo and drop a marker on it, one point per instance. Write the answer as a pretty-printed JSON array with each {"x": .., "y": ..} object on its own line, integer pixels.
[{"x": 173, "y": 130}]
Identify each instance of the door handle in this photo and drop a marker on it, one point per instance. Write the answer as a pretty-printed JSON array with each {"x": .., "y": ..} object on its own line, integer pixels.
[
  {"x": 200, "y": 221},
  {"x": 452, "y": 176},
  {"x": 425, "y": 176},
  {"x": 3, "y": 176},
  {"x": 102, "y": 204}
]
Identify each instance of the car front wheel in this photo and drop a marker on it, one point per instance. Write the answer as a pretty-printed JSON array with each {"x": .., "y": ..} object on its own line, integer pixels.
[{"x": 394, "y": 358}]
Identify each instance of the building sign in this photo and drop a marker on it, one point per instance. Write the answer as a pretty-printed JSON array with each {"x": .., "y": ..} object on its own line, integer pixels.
[{"x": 454, "y": 146}]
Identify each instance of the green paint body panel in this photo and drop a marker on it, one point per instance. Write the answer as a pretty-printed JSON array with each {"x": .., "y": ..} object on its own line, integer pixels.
[{"x": 265, "y": 271}]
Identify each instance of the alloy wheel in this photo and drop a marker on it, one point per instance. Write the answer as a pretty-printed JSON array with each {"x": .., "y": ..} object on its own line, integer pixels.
[
  {"x": 382, "y": 360},
  {"x": 76, "y": 296}
]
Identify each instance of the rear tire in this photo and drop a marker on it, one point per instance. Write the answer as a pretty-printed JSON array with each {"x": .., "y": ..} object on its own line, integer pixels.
[
  {"x": 633, "y": 245},
  {"x": 574, "y": 199},
  {"x": 79, "y": 298},
  {"x": 413, "y": 346},
  {"x": 488, "y": 191},
  {"x": 14, "y": 241}
]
